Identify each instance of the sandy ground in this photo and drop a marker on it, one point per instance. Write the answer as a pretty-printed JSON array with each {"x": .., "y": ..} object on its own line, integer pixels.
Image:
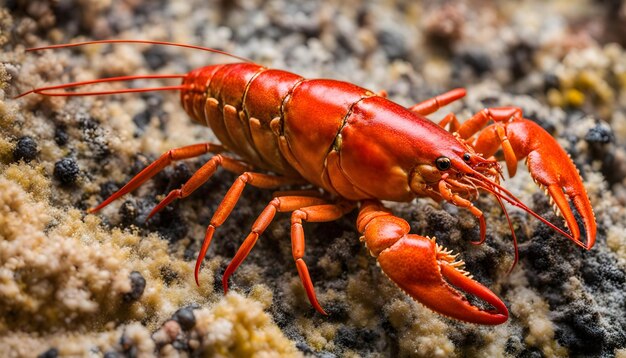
[{"x": 113, "y": 285}]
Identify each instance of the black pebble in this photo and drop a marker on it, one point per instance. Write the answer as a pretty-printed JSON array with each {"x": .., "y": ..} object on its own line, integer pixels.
[
  {"x": 108, "y": 188},
  {"x": 393, "y": 43},
  {"x": 599, "y": 134},
  {"x": 185, "y": 318},
  {"x": 141, "y": 120},
  {"x": 25, "y": 149},
  {"x": 60, "y": 136},
  {"x": 50, "y": 353},
  {"x": 478, "y": 61},
  {"x": 66, "y": 170},
  {"x": 156, "y": 57},
  {"x": 137, "y": 284},
  {"x": 521, "y": 60},
  {"x": 550, "y": 80}
]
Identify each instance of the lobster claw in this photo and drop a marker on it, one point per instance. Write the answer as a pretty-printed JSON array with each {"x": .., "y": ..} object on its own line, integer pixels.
[
  {"x": 420, "y": 268},
  {"x": 550, "y": 167}
]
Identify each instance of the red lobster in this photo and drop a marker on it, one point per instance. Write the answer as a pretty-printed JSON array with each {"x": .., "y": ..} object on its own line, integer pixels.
[{"x": 360, "y": 148}]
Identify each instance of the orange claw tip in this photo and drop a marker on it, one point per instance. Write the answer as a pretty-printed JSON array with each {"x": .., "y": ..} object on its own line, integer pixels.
[
  {"x": 196, "y": 272},
  {"x": 499, "y": 315},
  {"x": 303, "y": 272},
  {"x": 96, "y": 209},
  {"x": 321, "y": 310},
  {"x": 483, "y": 231},
  {"x": 554, "y": 171},
  {"x": 101, "y": 205},
  {"x": 205, "y": 246},
  {"x": 174, "y": 194}
]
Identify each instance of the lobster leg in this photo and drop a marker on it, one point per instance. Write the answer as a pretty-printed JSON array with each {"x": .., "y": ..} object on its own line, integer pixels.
[
  {"x": 224, "y": 209},
  {"x": 457, "y": 200},
  {"x": 450, "y": 119},
  {"x": 549, "y": 165},
  {"x": 432, "y": 105},
  {"x": 200, "y": 177},
  {"x": 424, "y": 270},
  {"x": 303, "y": 208},
  {"x": 318, "y": 213},
  {"x": 278, "y": 204},
  {"x": 151, "y": 170}
]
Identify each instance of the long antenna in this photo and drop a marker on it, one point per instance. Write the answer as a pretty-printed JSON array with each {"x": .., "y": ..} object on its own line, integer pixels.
[
  {"x": 46, "y": 91},
  {"x": 147, "y": 42},
  {"x": 513, "y": 200}
]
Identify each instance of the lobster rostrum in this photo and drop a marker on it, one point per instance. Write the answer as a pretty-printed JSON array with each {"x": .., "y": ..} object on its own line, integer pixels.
[{"x": 361, "y": 149}]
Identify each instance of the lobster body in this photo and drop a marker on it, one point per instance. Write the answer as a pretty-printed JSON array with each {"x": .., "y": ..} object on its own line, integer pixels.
[
  {"x": 336, "y": 135},
  {"x": 361, "y": 148}
]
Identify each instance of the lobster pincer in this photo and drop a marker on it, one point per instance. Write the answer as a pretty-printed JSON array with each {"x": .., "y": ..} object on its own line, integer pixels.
[
  {"x": 425, "y": 270},
  {"x": 549, "y": 165}
]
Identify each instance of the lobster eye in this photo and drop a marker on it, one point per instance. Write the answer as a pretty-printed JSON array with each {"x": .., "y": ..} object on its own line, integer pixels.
[
  {"x": 467, "y": 157},
  {"x": 443, "y": 163}
]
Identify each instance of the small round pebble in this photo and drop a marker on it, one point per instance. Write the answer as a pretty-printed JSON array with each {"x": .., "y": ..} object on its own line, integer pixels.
[
  {"x": 66, "y": 170},
  {"x": 26, "y": 149},
  {"x": 185, "y": 318},
  {"x": 60, "y": 136},
  {"x": 137, "y": 284}
]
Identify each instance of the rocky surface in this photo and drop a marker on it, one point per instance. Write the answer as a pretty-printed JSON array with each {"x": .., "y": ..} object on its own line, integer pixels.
[{"x": 114, "y": 285}]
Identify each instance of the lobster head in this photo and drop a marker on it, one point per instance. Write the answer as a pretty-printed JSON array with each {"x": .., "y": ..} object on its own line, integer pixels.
[{"x": 454, "y": 174}]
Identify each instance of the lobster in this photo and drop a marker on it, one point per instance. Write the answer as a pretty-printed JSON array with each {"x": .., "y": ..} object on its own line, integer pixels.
[{"x": 360, "y": 149}]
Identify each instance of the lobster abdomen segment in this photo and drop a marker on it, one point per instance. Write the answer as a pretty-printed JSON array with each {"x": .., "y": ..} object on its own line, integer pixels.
[
  {"x": 263, "y": 106},
  {"x": 216, "y": 98},
  {"x": 314, "y": 114},
  {"x": 275, "y": 119}
]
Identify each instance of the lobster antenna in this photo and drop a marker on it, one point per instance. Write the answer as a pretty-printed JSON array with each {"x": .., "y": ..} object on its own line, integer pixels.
[
  {"x": 513, "y": 200},
  {"x": 46, "y": 91},
  {"x": 148, "y": 42},
  {"x": 515, "y": 247}
]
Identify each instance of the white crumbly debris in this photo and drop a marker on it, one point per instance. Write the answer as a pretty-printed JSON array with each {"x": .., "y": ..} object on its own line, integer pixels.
[
  {"x": 237, "y": 326},
  {"x": 527, "y": 306}
]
